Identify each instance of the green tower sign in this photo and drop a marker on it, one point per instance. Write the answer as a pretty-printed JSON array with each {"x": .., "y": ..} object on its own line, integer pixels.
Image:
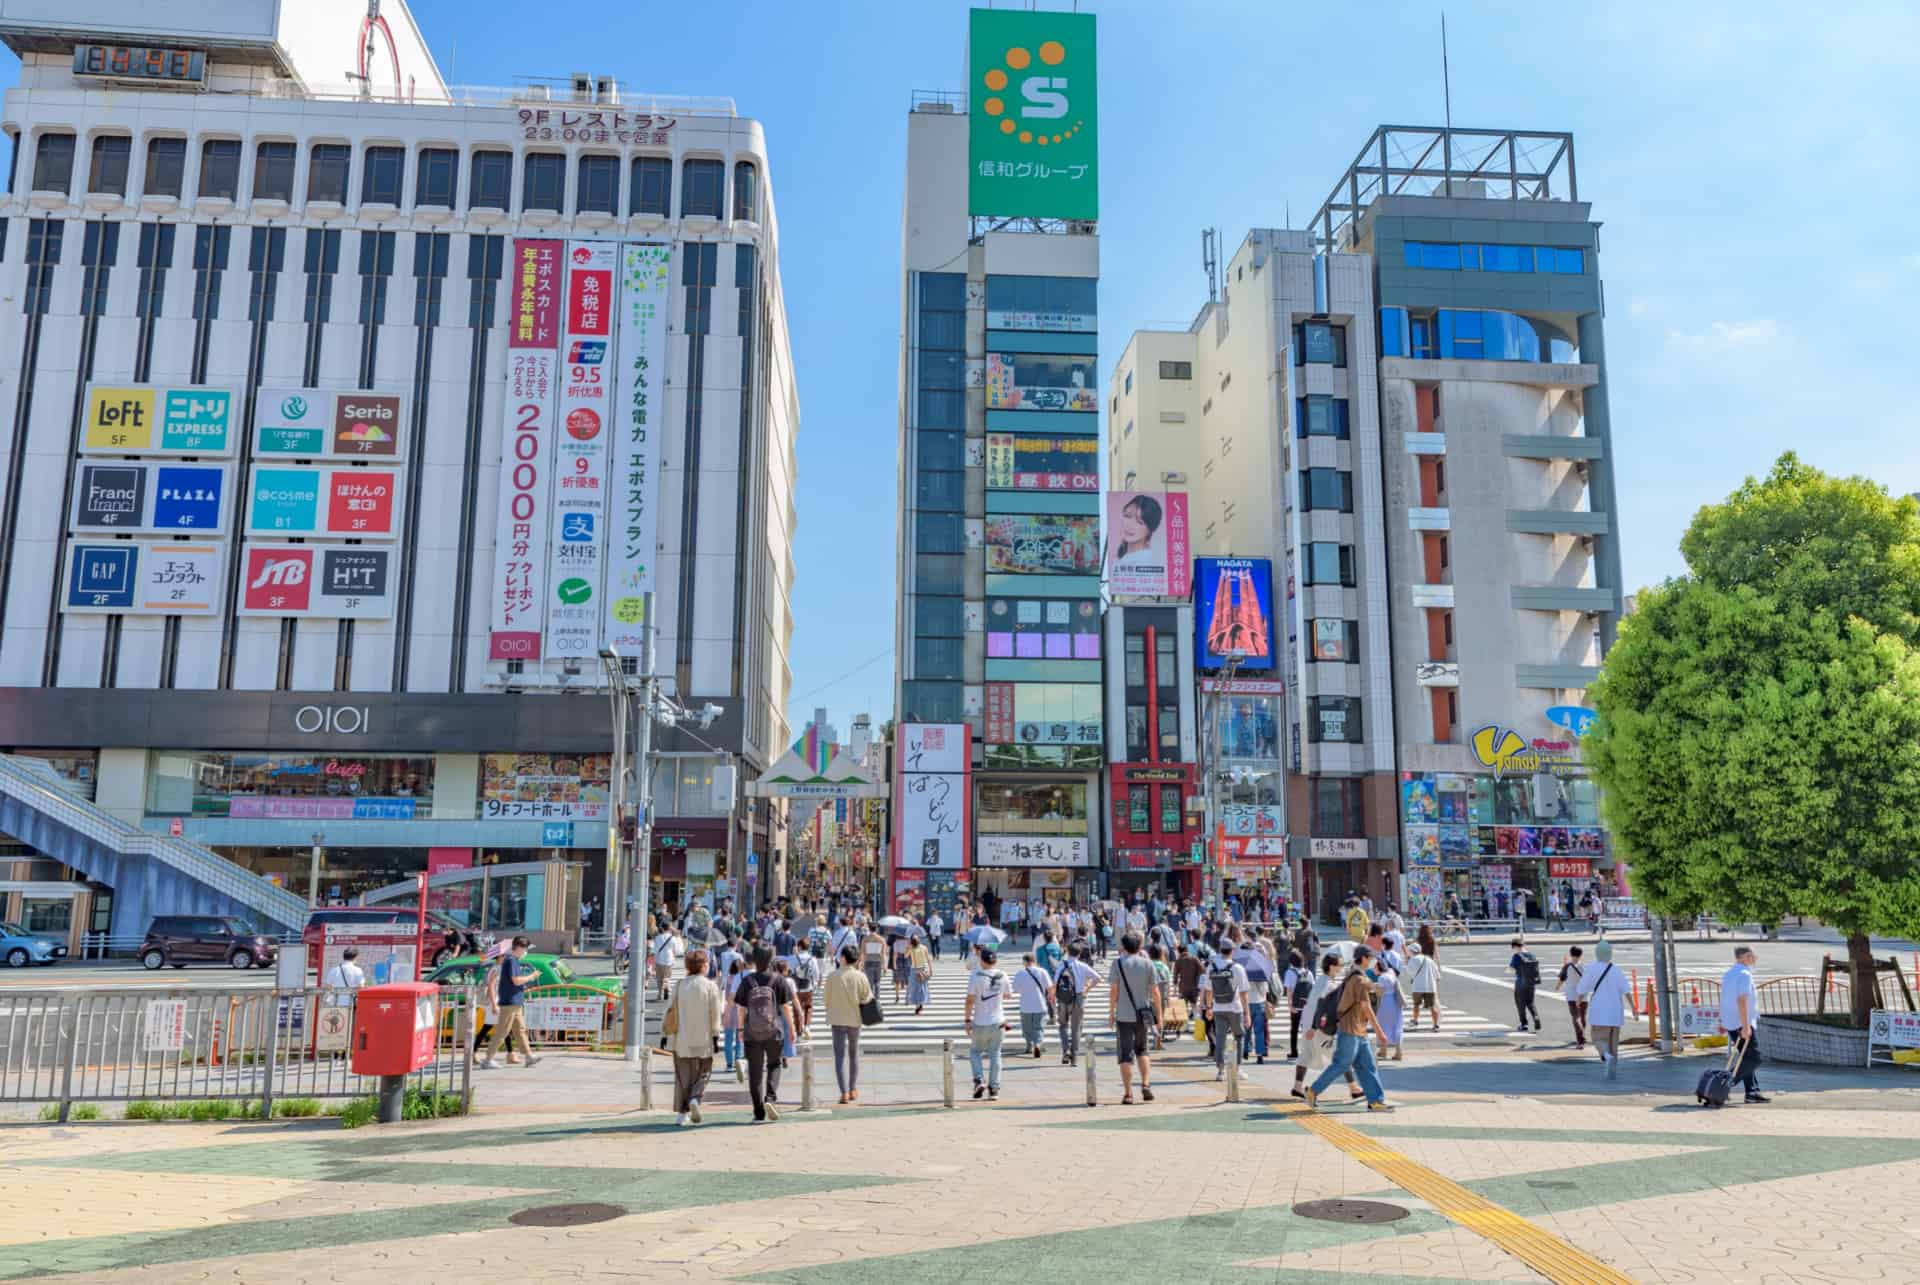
[{"x": 1032, "y": 137}]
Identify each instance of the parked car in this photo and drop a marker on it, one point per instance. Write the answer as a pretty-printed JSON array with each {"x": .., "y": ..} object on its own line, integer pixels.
[
  {"x": 454, "y": 938},
  {"x": 471, "y": 970},
  {"x": 18, "y": 950},
  {"x": 8, "y": 928},
  {"x": 180, "y": 940}
]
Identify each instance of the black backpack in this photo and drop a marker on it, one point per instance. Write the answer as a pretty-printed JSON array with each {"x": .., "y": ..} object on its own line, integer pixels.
[
  {"x": 1302, "y": 989},
  {"x": 1222, "y": 981},
  {"x": 1529, "y": 973},
  {"x": 1326, "y": 1018},
  {"x": 1066, "y": 987}
]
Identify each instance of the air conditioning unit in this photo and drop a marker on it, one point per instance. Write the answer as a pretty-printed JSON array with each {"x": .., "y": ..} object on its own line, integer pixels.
[
  {"x": 582, "y": 87},
  {"x": 606, "y": 90}
]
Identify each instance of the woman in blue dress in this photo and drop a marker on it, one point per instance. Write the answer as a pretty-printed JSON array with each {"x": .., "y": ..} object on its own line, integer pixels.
[{"x": 1391, "y": 1011}]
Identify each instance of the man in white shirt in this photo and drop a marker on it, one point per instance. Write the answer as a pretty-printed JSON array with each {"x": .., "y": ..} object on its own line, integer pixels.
[
  {"x": 1223, "y": 999},
  {"x": 846, "y": 935},
  {"x": 1137, "y": 922},
  {"x": 1193, "y": 922},
  {"x": 347, "y": 975},
  {"x": 986, "y": 992},
  {"x": 1740, "y": 1018},
  {"x": 1034, "y": 987},
  {"x": 934, "y": 928},
  {"x": 1072, "y": 982}
]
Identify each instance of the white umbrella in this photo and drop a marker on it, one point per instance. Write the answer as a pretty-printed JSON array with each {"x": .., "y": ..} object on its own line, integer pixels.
[
  {"x": 984, "y": 935},
  {"x": 896, "y": 921}
]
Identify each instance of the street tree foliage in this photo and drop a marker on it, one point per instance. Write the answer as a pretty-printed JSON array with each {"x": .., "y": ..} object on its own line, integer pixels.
[{"x": 1758, "y": 739}]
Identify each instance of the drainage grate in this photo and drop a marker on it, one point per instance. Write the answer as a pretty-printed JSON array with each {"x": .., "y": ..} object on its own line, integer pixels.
[
  {"x": 1542, "y": 1185},
  {"x": 574, "y": 1215},
  {"x": 1350, "y": 1211}
]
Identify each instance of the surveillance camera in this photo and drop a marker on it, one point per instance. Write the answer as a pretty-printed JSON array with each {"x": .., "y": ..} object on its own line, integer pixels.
[{"x": 708, "y": 714}]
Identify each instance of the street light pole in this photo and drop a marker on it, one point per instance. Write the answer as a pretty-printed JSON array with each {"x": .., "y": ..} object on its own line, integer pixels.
[{"x": 640, "y": 726}]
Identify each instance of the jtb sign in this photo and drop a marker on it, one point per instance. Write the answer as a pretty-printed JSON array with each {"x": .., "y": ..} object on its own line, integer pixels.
[{"x": 1032, "y": 138}]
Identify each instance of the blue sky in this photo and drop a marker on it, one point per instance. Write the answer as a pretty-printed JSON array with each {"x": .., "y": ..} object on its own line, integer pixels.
[{"x": 1753, "y": 165}]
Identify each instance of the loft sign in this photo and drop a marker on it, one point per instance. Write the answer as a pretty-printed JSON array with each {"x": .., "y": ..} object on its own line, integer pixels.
[{"x": 339, "y": 720}]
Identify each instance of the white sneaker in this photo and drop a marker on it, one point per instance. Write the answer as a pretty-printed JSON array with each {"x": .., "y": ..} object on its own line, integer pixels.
[
  {"x": 532, "y": 1060},
  {"x": 682, "y": 1120},
  {"x": 693, "y": 1109}
]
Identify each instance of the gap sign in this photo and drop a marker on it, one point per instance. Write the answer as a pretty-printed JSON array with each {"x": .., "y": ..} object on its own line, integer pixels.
[{"x": 141, "y": 578}]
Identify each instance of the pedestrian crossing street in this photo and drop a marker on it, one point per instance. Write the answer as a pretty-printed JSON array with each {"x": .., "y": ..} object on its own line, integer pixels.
[{"x": 947, "y": 1004}]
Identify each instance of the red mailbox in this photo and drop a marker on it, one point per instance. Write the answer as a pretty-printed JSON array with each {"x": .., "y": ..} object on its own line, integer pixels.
[{"x": 395, "y": 1027}]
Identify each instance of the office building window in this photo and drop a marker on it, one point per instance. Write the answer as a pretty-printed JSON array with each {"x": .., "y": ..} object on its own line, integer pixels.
[
  {"x": 1318, "y": 416},
  {"x": 1137, "y": 734},
  {"x": 939, "y": 533},
  {"x": 1329, "y": 564},
  {"x": 938, "y": 617},
  {"x": 652, "y": 186},
  {"x": 701, "y": 182},
  {"x": 53, "y": 163},
  {"x": 490, "y": 186},
  {"x": 1176, "y": 370},
  {"x": 937, "y": 658},
  {"x": 1337, "y": 810},
  {"x": 746, "y": 191},
  {"x": 1171, "y": 820},
  {"x": 273, "y": 171},
  {"x": 599, "y": 185},
  {"x": 1320, "y": 342},
  {"x": 932, "y": 702},
  {"x": 1326, "y": 488},
  {"x": 1166, "y": 661},
  {"x": 108, "y": 173},
  {"x": 381, "y": 179},
  {"x": 1337, "y": 640},
  {"x": 328, "y": 166},
  {"x": 220, "y": 168},
  {"x": 1169, "y": 731},
  {"x": 1333, "y": 719},
  {"x": 166, "y": 167},
  {"x": 940, "y": 573},
  {"x": 543, "y": 182},
  {"x": 1139, "y": 808},
  {"x": 1476, "y": 257},
  {"x": 1136, "y": 660},
  {"x": 438, "y": 177}
]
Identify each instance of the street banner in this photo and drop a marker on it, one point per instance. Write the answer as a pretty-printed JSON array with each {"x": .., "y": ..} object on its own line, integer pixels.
[
  {"x": 517, "y": 593},
  {"x": 633, "y": 511},
  {"x": 576, "y": 530}
]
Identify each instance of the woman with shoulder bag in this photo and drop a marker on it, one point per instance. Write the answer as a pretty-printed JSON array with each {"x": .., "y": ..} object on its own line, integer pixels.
[
  {"x": 920, "y": 979},
  {"x": 690, "y": 1030},
  {"x": 1322, "y": 1030}
]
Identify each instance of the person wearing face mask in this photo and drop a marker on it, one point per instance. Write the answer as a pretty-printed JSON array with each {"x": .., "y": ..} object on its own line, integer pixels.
[{"x": 1318, "y": 1048}]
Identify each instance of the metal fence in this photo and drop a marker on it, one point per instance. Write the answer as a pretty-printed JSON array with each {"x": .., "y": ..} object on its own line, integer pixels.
[
  {"x": 105, "y": 945},
  {"x": 256, "y": 1045}
]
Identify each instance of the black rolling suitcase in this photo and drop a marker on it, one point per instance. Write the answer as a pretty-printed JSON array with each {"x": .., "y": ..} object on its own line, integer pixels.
[{"x": 1716, "y": 1084}]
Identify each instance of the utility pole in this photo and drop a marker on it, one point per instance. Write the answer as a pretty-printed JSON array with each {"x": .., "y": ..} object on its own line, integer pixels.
[{"x": 1664, "y": 990}]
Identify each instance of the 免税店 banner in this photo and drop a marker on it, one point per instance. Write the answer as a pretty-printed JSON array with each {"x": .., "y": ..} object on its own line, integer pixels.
[
  {"x": 576, "y": 530},
  {"x": 518, "y": 589},
  {"x": 633, "y": 512}
]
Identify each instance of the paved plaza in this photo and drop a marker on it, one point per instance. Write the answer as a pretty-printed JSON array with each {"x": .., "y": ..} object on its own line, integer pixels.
[{"x": 1500, "y": 1165}]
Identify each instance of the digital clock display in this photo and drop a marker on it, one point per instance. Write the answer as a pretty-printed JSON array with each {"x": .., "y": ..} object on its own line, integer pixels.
[{"x": 136, "y": 62}]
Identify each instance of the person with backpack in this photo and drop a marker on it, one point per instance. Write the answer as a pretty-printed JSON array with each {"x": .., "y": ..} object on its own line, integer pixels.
[
  {"x": 1323, "y": 1028},
  {"x": 731, "y": 1040},
  {"x": 1606, "y": 993},
  {"x": 1223, "y": 1002},
  {"x": 986, "y": 993},
  {"x": 1422, "y": 980},
  {"x": 1133, "y": 1005},
  {"x": 760, "y": 1001},
  {"x": 1526, "y": 980},
  {"x": 1163, "y": 996},
  {"x": 1297, "y": 984},
  {"x": 1571, "y": 969},
  {"x": 1071, "y": 984},
  {"x": 1259, "y": 969},
  {"x": 806, "y": 980},
  {"x": 1353, "y": 1018},
  {"x": 1034, "y": 988}
]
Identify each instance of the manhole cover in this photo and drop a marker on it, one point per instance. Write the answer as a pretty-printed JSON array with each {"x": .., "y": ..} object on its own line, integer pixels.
[
  {"x": 1350, "y": 1211},
  {"x": 574, "y": 1215}
]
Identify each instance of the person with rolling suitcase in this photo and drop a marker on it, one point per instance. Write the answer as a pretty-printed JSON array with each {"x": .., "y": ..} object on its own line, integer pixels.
[
  {"x": 1717, "y": 1083},
  {"x": 1740, "y": 1017}
]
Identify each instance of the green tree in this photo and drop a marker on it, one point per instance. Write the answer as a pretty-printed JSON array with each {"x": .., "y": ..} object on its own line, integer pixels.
[{"x": 1758, "y": 738}]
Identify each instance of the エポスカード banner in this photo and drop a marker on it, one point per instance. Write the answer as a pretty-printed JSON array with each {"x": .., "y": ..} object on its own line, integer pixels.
[
  {"x": 576, "y": 530},
  {"x": 633, "y": 512},
  {"x": 1148, "y": 550},
  {"x": 1032, "y": 131},
  {"x": 518, "y": 590}
]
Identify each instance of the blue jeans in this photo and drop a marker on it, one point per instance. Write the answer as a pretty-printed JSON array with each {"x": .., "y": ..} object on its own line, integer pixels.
[
  {"x": 732, "y": 1046},
  {"x": 1355, "y": 1053},
  {"x": 986, "y": 1048},
  {"x": 1253, "y": 1041}
]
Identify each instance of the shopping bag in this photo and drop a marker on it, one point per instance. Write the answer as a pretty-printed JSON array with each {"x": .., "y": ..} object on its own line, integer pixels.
[{"x": 1200, "y": 1029}]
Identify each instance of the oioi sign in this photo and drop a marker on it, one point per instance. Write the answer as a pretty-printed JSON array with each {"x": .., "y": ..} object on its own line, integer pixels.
[{"x": 1032, "y": 137}]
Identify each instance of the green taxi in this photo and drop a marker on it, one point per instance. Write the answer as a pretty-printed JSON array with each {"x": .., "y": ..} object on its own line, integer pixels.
[{"x": 552, "y": 972}]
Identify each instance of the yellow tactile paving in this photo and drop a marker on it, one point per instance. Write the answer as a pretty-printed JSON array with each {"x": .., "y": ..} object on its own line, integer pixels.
[{"x": 1551, "y": 1256}]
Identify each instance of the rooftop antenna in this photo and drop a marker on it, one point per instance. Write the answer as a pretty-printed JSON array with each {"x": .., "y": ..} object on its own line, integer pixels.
[
  {"x": 1210, "y": 260},
  {"x": 1446, "y": 76}
]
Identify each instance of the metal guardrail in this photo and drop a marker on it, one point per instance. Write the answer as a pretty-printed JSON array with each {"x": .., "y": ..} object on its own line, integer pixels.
[
  {"x": 108, "y": 945},
  {"x": 203, "y": 865},
  {"x": 128, "y": 1045}
]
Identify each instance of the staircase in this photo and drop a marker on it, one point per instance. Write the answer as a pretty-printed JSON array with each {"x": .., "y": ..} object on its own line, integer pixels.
[{"x": 149, "y": 873}]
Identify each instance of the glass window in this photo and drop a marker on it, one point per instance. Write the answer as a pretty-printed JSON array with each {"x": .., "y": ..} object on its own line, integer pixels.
[
  {"x": 1470, "y": 258},
  {"x": 1129, "y": 383},
  {"x": 1329, "y": 564},
  {"x": 381, "y": 179},
  {"x": 1337, "y": 806},
  {"x": 1171, "y": 820},
  {"x": 1572, "y": 262},
  {"x": 1008, "y": 807},
  {"x": 932, "y": 702},
  {"x": 1043, "y": 628},
  {"x": 1337, "y": 640},
  {"x": 1326, "y": 488},
  {"x": 1435, "y": 255},
  {"x": 941, "y": 450},
  {"x": 166, "y": 167},
  {"x": 1058, "y": 713},
  {"x": 1040, "y": 381},
  {"x": 1176, "y": 370},
  {"x": 941, "y": 492},
  {"x": 1393, "y": 333},
  {"x": 939, "y": 533},
  {"x": 438, "y": 178},
  {"x": 1248, "y": 727},
  {"x": 940, "y": 573},
  {"x": 220, "y": 168},
  {"x": 108, "y": 172},
  {"x": 1166, "y": 660},
  {"x": 938, "y": 617},
  {"x": 543, "y": 182},
  {"x": 1320, "y": 416},
  {"x": 1136, "y": 660},
  {"x": 273, "y": 171},
  {"x": 1334, "y": 719},
  {"x": 50, "y": 915},
  {"x": 53, "y": 163},
  {"x": 490, "y": 186},
  {"x": 1169, "y": 731},
  {"x": 746, "y": 191},
  {"x": 937, "y": 658},
  {"x": 1140, "y": 809},
  {"x": 943, "y": 330},
  {"x": 1042, "y": 303},
  {"x": 701, "y": 182},
  {"x": 327, "y": 169},
  {"x": 942, "y": 408},
  {"x": 1506, "y": 258},
  {"x": 599, "y": 185},
  {"x": 1137, "y": 732},
  {"x": 1320, "y": 342},
  {"x": 292, "y": 787},
  {"x": 1420, "y": 336},
  {"x": 652, "y": 186},
  {"x": 942, "y": 369}
]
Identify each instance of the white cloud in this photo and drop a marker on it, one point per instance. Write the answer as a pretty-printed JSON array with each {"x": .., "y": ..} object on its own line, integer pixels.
[{"x": 1729, "y": 336}]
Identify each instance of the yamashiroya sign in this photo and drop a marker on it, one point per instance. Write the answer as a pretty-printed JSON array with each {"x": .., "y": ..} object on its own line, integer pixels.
[{"x": 1032, "y": 137}]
